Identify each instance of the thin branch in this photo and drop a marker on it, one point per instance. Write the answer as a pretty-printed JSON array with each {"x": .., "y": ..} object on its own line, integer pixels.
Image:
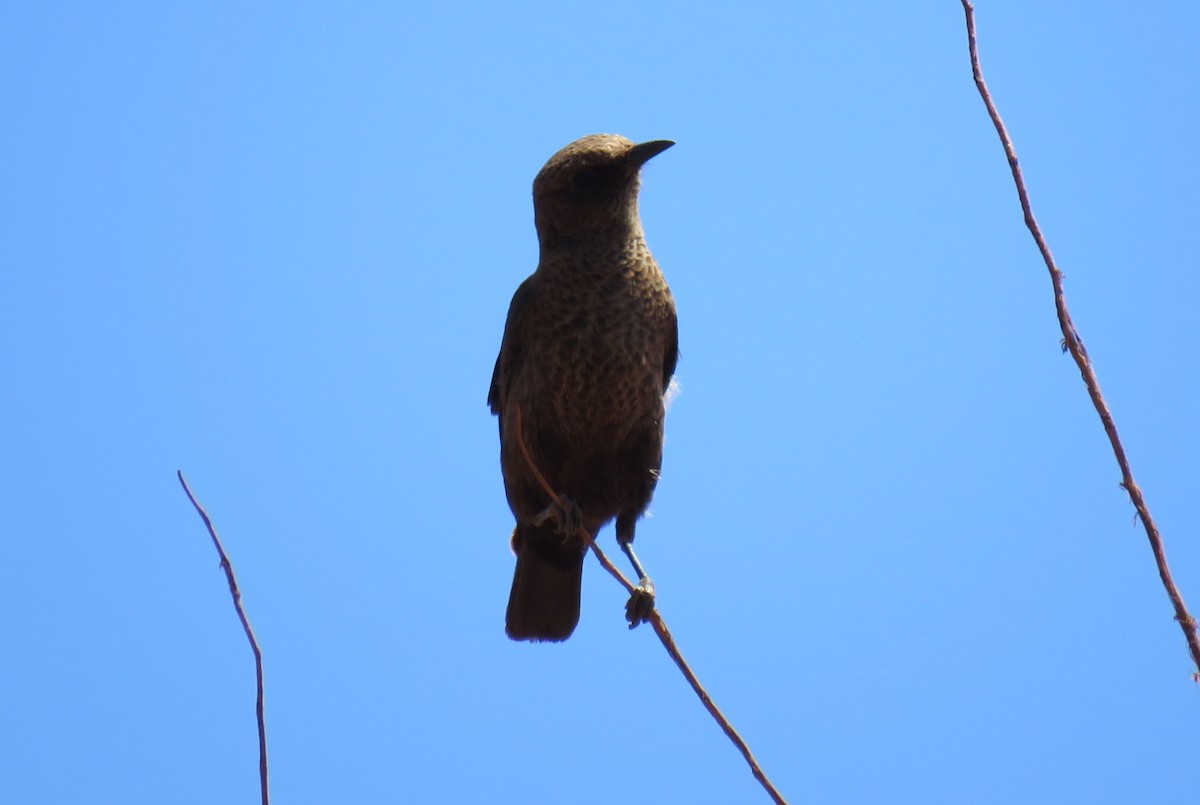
[
  {"x": 241, "y": 613},
  {"x": 1074, "y": 344},
  {"x": 660, "y": 628}
]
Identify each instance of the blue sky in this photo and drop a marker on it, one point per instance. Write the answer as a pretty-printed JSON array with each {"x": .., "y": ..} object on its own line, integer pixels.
[{"x": 273, "y": 245}]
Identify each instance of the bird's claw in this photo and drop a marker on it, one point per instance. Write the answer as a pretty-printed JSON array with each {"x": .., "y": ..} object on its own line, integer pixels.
[
  {"x": 565, "y": 513},
  {"x": 641, "y": 603}
]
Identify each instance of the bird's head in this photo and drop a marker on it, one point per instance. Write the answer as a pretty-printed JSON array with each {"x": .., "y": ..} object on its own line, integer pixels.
[{"x": 590, "y": 187}]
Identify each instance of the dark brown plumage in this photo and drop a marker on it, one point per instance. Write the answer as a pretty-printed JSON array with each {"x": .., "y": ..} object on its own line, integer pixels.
[{"x": 589, "y": 347}]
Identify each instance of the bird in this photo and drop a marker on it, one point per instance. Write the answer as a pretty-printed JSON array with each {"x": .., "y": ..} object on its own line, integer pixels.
[{"x": 590, "y": 345}]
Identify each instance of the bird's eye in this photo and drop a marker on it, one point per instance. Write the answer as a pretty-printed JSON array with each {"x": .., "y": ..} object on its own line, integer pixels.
[{"x": 584, "y": 179}]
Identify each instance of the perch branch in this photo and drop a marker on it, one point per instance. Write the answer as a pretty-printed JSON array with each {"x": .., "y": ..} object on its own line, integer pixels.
[{"x": 660, "y": 629}]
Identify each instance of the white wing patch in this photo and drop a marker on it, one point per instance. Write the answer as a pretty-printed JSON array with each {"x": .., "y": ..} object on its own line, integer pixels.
[{"x": 674, "y": 389}]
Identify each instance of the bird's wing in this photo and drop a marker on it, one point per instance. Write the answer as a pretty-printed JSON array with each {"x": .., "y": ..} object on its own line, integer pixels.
[
  {"x": 512, "y": 346},
  {"x": 671, "y": 356}
]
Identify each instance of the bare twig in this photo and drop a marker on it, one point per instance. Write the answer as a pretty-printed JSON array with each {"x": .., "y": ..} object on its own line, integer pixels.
[
  {"x": 1074, "y": 344},
  {"x": 241, "y": 613},
  {"x": 660, "y": 628}
]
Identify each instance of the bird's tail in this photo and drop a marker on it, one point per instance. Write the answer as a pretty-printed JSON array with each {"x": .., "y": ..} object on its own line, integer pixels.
[{"x": 544, "y": 602}]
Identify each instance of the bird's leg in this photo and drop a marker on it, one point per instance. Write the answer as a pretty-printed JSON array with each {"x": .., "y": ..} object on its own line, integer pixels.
[
  {"x": 641, "y": 602},
  {"x": 565, "y": 513}
]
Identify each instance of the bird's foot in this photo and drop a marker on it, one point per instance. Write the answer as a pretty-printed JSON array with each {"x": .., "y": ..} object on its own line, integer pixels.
[
  {"x": 566, "y": 514},
  {"x": 641, "y": 602}
]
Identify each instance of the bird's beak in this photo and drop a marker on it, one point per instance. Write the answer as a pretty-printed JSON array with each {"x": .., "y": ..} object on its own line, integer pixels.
[{"x": 642, "y": 153}]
